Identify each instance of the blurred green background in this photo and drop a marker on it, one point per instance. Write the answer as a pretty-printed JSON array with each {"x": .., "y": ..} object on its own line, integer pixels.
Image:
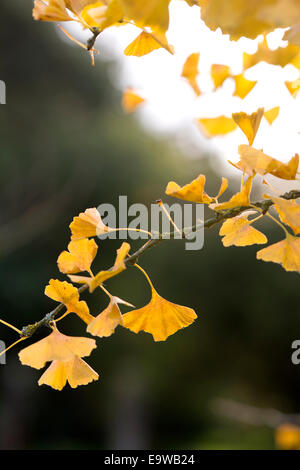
[{"x": 67, "y": 145}]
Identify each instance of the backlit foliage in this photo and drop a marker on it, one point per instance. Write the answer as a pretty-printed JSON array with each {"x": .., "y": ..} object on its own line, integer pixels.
[{"x": 238, "y": 212}]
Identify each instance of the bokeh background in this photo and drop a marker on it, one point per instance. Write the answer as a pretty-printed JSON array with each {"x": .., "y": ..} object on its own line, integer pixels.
[{"x": 67, "y": 145}]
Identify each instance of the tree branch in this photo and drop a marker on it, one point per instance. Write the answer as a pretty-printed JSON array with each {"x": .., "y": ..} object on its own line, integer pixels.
[{"x": 264, "y": 206}]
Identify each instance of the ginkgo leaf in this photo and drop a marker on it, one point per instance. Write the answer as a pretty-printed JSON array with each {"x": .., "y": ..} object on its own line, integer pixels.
[
  {"x": 223, "y": 187},
  {"x": 193, "y": 191},
  {"x": 102, "y": 15},
  {"x": 154, "y": 13},
  {"x": 239, "y": 232},
  {"x": 272, "y": 114},
  {"x": 293, "y": 87},
  {"x": 243, "y": 86},
  {"x": 190, "y": 71},
  {"x": 219, "y": 73},
  {"x": 67, "y": 294},
  {"x": 88, "y": 224},
  {"x": 240, "y": 199},
  {"x": 118, "y": 267},
  {"x": 289, "y": 213},
  {"x": 280, "y": 56},
  {"x": 54, "y": 10},
  {"x": 285, "y": 252},
  {"x": 160, "y": 318},
  {"x": 56, "y": 347},
  {"x": 131, "y": 100},
  {"x": 79, "y": 257},
  {"x": 75, "y": 371},
  {"x": 106, "y": 322},
  {"x": 257, "y": 161},
  {"x": 249, "y": 124},
  {"x": 145, "y": 43},
  {"x": 212, "y": 127}
]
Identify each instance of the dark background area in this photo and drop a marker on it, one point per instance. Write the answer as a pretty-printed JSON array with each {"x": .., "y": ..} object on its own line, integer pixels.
[{"x": 67, "y": 145}]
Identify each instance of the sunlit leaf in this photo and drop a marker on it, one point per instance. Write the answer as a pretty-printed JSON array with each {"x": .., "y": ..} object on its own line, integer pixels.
[
  {"x": 249, "y": 124},
  {"x": 286, "y": 253},
  {"x": 79, "y": 257},
  {"x": 154, "y": 13},
  {"x": 106, "y": 322},
  {"x": 119, "y": 266},
  {"x": 88, "y": 224},
  {"x": 146, "y": 42},
  {"x": 53, "y": 10},
  {"x": 132, "y": 100},
  {"x": 219, "y": 73},
  {"x": 272, "y": 114},
  {"x": 253, "y": 160},
  {"x": 293, "y": 87},
  {"x": 160, "y": 318},
  {"x": 238, "y": 231},
  {"x": 212, "y": 127},
  {"x": 289, "y": 213},
  {"x": 243, "y": 86},
  {"x": 190, "y": 71},
  {"x": 194, "y": 191},
  {"x": 66, "y": 293},
  {"x": 240, "y": 199}
]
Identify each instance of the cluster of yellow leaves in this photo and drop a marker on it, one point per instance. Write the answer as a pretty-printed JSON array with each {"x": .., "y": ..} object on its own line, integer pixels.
[
  {"x": 152, "y": 17},
  {"x": 160, "y": 317}
]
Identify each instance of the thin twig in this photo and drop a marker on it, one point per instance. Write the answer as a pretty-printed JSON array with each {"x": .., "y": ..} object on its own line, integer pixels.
[{"x": 263, "y": 206}]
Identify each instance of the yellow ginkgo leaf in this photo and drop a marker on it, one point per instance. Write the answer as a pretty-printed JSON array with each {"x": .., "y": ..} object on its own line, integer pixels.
[
  {"x": 293, "y": 87},
  {"x": 249, "y": 124},
  {"x": 131, "y": 100},
  {"x": 53, "y": 10},
  {"x": 272, "y": 114},
  {"x": 286, "y": 253},
  {"x": 243, "y": 86},
  {"x": 103, "y": 14},
  {"x": 106, "y": 322},
  {"x": 212, "y": 127},
  {"x": 147, "y": 42},
  {"x": 280, "y": 56},
  {"x": 219, "y": 73},
  {"x": 88, "y": 224},
  {"x": 240, "y": 199},
  {"x": 67, "y": 294},
  {"x": 118, "y": 267},
  {"x": 253, "y": 160},
  {"x": 79, "y": 257},
  {"x": 154, "y": 13},
  {"x": 55, "y": 347},
  {"x": 75, "y": 371},
  {"x": 223, "y": 187},
  {"x": 190, "y": 71},
  {"x": 289, "y": 213},
  {"x": 239, "y": 232},
  {"x": 193, "y": 191},
  {"x": 159, "y": 317}
]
